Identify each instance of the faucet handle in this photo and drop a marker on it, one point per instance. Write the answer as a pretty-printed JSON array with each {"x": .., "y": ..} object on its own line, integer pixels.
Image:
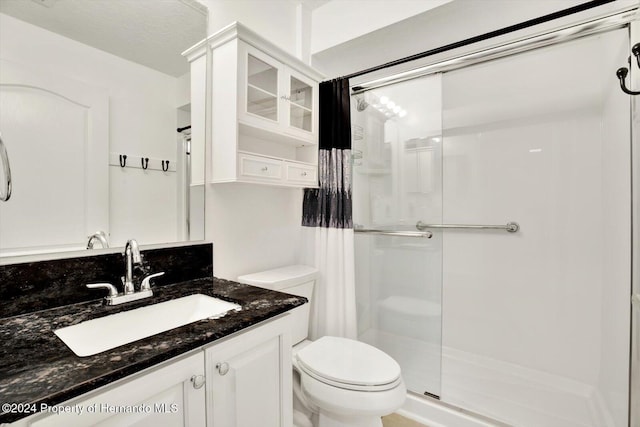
[
  {"x": 146, "y": 282},
  {"x": 113, "y": 291}
]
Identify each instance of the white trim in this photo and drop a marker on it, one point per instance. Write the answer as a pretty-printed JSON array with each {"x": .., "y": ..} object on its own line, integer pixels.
[
  {"x": 240, "y": 31},
  {"x": 437, "y": 414}
]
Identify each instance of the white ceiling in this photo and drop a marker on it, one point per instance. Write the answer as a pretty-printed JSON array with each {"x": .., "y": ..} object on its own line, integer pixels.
[{"x": 150, "y": 32}]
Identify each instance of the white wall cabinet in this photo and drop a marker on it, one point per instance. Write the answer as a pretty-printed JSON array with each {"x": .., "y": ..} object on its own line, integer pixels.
[
  {"x": 264, "y": 111},
  {"x": 243, "y": 381},
  {"x": 274, "y": 97}
]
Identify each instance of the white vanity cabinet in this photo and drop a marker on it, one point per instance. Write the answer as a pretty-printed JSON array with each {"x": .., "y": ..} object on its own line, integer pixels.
[
  {"x": 264, "y": 110},
  {"x": 243, "y": 380},
  {"x": 160, "y": 396},
  {"x": 249, "y": 379}
]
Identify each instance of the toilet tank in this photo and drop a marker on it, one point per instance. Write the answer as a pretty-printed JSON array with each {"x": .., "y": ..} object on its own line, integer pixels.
[{"x": 293, "y": 279}]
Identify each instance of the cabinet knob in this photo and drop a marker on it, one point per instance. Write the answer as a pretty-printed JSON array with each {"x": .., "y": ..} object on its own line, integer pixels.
[
  {"x": 264, "y": 169},
  {"x": 303, "y": 174},
  {"x": 198, "y": 381},
  {"x": 222, "y": 368}
]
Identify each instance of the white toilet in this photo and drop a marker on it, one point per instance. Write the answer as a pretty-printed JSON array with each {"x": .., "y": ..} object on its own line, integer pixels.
[{"x": 338, "y": 382}]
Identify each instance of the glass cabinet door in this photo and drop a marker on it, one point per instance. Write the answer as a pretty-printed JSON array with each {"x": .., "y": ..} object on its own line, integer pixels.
[
  {"x": 301, "y": 104},
  {"x": 262, "y": 89}
]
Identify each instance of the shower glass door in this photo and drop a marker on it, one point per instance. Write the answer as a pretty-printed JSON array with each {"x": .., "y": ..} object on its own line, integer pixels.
[
  {"x": 536, "y": 322},
  {"x": 529, "y": 327},
  {"x": 397, "y": 169}
]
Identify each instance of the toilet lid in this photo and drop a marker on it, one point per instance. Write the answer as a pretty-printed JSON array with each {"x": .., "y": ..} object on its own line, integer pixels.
[{"x": 348, "y": 362}]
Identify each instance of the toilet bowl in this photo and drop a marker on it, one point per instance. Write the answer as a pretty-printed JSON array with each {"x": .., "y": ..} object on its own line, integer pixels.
[
  {"x": 338, "y": 382},
  {"x": 349, "y": 383}
]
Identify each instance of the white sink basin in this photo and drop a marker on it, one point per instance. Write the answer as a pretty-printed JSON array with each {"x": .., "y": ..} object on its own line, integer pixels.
[{"x": 98, "y": 335}]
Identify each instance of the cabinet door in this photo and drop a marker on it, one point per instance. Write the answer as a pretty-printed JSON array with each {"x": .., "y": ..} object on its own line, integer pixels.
[
  {"x": 58, "y": 128},
  {"x": 249, "y": 380},
  {"x": 164, "y": 396},
  {"x": 301, "y": 107},
  {"x": 259, "y": 80}
]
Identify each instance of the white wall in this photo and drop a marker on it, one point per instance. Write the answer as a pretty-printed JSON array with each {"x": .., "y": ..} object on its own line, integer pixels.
[
  {"x": 613, "y": 381},
  {"x": 253, "y": 227},
  {"x": 274, "y": 20},
  {"x": 339, "y": 21},
  {"x": 183, "y": 90},
  {"x": 142, "y": 107}
]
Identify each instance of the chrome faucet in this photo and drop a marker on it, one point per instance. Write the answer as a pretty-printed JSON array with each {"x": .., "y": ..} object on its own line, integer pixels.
[
  {"x": 99, "y": 236},
  {"x": 132, "y": 257}
]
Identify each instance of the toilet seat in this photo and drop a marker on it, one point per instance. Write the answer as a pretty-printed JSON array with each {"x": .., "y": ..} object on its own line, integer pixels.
[
  {"x": 351, "y": 403},
  {"x": 349, "y": 364}
]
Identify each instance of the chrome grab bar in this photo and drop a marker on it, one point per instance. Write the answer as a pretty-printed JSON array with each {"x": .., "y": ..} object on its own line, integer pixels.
[
  {"x": 426, "y": 234},
  {"x": 4, "y": 158},
  {"x": 511, "y": 227}
]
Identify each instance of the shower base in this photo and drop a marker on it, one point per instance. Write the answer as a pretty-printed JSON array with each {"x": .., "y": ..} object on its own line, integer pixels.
[{"x": 508, "y": 394}]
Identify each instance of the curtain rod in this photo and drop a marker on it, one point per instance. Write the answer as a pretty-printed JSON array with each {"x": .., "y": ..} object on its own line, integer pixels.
[
  {"x": 572, "y": 32},
  {"x": 486, "y": 36}
]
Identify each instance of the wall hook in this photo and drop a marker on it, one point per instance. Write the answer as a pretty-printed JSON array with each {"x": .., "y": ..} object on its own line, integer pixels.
[
  {"x": 163, "y": 162},
  {"x": 145, "y": 162},
  {"x": 622, "y": 75},
  {"x": 123, "y": 160}
]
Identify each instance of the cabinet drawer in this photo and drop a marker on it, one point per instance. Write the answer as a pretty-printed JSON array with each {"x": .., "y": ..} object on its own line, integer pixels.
[
  {"x": 302, "y": 174},
  {"x": 259, "y": 167}
]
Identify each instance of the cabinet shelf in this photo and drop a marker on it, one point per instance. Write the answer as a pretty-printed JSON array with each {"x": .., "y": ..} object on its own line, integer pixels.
[
  {"x": 251, "y": 130},
  {"x": 259, "y": 89},
  {"x": 295, "y": 104}
]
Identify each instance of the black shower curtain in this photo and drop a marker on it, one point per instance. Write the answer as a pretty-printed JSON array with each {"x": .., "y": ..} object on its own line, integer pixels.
[{"x": 330, "y": 205}]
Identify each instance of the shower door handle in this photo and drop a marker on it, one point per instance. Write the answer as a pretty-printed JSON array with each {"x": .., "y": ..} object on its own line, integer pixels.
[
  {"x": 511, "y": 227},
  {"x": 425, "y": 234}
]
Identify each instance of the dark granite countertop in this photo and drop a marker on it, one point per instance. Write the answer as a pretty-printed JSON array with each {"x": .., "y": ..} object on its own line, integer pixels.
[{"x": 37, "y": 367}]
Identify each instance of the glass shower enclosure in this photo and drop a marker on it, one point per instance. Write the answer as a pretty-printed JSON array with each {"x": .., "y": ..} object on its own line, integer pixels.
[
  {"x": 517, "y": 307},
  {"x": 397, "y": 181}
]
